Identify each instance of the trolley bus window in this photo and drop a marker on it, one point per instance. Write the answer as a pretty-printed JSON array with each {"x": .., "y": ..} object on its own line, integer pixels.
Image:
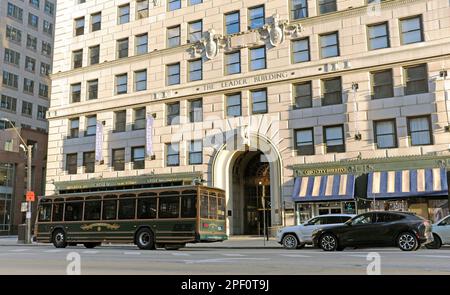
[
  {"x": 188, "y": 204},
  {"x": 45, "y": 211},
  {"x": 73, "y": 211},
  {"x": 204, "y": 207},
  {"x": 146, "y": 208},
  {"x": 126, "y": 208},
  {"x": 92, "y": 210},
  {"x": 220, "y": 208},
  {"x": 109, "y": 209},
  {"x": 169, "y": 207},
  {"x": 58, "y": 211},
  {"x": 212, "y": 207}
]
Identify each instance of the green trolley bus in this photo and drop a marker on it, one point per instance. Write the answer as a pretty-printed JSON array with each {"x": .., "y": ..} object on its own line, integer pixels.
[{"x": 151, "y": 218}]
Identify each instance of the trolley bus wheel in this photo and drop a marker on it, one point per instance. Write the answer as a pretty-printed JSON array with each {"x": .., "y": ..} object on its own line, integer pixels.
[
  {"x": 59, "y": 239},
  {"x": 91, "y": 245},
  {"x": 145, "y": 239}
]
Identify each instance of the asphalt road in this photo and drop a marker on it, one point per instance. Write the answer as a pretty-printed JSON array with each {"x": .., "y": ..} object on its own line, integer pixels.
[{"x": 117, "y": 260}]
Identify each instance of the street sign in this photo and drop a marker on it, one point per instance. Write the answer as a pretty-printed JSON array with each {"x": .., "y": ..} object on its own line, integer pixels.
[
  {"x": 28, "y": 215},
  {"x": 30, "y": 197},
  {"x": 24, "y": 207}
]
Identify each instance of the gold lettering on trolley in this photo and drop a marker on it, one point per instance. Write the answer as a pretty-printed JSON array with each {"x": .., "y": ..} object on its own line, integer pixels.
[{"x": 99, "y": 226}]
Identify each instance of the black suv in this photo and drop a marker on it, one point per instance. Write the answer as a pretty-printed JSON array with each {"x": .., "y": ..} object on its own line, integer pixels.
[{"x": 403, "y": 229}]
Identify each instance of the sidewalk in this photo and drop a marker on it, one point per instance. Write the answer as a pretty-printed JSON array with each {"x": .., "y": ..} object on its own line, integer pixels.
[{"x": 236, "y": 242}]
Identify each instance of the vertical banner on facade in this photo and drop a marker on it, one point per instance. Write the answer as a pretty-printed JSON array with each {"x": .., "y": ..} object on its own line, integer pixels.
[
  {"x": 99, "y": 142},
  {"x": 149, "y": 135}
]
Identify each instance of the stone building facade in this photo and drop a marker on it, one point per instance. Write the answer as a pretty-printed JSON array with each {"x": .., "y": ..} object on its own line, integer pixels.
[{"x": 254, "y": 97}]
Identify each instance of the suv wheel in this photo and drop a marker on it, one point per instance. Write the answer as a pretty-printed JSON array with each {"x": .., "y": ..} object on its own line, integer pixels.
[
  {"x": 290, "y": 241},
  {"x": 436, "y": 244},
  {"x": 407, "y": 242},
  {"x": 328, "y": 242}
]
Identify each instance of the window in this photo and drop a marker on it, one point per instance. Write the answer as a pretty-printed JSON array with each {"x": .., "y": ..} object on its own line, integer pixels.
[
  {"x": 304, "y": 141},
  {"x": 232, "y": 22},
  {"x": 169, "y": 207},
  {"x": 121, "y": 84},
  {"x": 173, "y": 113},
  {"x": 15, "y": 12},
  {"x": 127, "y": 208},
  {"x": 31, "y": 42},
  {"x": 71, "y": 164},
  {"x": 74, "y": 211},
  {"x": 195, "y": 31},
  {"x": 141, "y": 9},
  {"x": 41, "y": 114},
  {"x": 300, "y": 50},
  {"x": 139, "y": 119},
  {"x": 196, "y": 110},
  {"x": 419, "y": 130},
  {"x": 299, "y": 9},
  {"x": 45, "y": 69},
  {"x": 146, "y": 208},
  {"x": 34, "y": 3},
  {"x": 13, "y": 34},
  {"x": 416, "y": 79},
  {"x": 91, "y": 125},
  {"x": 382, "y": 84},
  {"x": 122, "y": 48},
  {"x": 173, "y": 74},
  {"x": 109, "y": 209},
  {"x": 233, "y": 63},
  {"x": 378, "y": 36},
  {"x": 385, "y": 134},
  {"x": 195, "y": 152},
  {"x": 92, "y": 210},
  {"x": 326, "y": 6},
  {"x": 43, "y": 90},
  {"x": 10, "y": 79},
  {"x": 120, "y": 121},
  {"x": 256, "y": 17},
  {"x": 233, "y": 105},
  {"x": 334, "y": 139},
  {"x": 411, "y": 30},
  {"x": 138, "y": 157},
  {"x": 77, "y": 57},
  {"x": 48, "y": 28},
  {"x": 49, "y": 7},
  {"x": 8, "y": 103},
  {"x": 329, "y": 45},
  {"x": 92, "y": 89},
  {"x": 81, "y": 1},
  {"x": 75, "y": 90},
  {"x": 79, "y": 26},
  {"x": 173, "y": 154},
  {"x": 33, "y": 20},
  {"x": 332, "y": 91},
  {"x": 194, "y": 2},
  {"x": 173, "y": 37},
  {"x": 140, "y": 78},
  {"x": 257, "y": 58},
  {"x": 124, "y": 14},
  {"x": 11, "y": 57},
  {"x": 58, "y": 209},
  {"x": 28, "y": 86},
  {"x": 47, "y": 49},
  {"x": 74, "y": 127},
  {"x": 94, "y": 55},
  {"x": 118, "y": 159},
  {"x": 96, "y": 21},
  {"x": 303, "y": 95},
  {"x": 195, "y": 70},
  {"x": 259, "y": 101},
  {"x": 174, "y": 4},
  {"x": 141, "y": 44}
]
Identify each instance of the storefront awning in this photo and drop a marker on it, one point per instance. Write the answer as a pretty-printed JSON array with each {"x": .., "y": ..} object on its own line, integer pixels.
[
  {"x": 407, "y": 183},
  {"x": 324, "y": 188}
]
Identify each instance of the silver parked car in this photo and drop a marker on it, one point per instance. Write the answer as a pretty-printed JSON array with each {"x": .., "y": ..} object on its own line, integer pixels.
[
  {"x": 441, "y": 233},
  {"x": 297, "y": 236}
]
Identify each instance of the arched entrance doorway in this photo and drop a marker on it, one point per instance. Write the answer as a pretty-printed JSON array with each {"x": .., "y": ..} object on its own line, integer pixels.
[{"x": 239, "y": 173}]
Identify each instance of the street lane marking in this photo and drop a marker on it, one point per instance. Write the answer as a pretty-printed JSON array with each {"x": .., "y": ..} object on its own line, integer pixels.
[
  {"x": 53, "y": 251},
  {"x": 232, "y": 255},
  {"x": 435, "y": 256},
  {"x": 19, "y": 250},
  {"x": 181, "y": 254},
  {"x": 90, "y": 252},
  {"x": 132, "y": 253},
  {"x": 218, "y": 260},
  {"x": 357, "y": 255},
  {"x": 294, "y": 255}
]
